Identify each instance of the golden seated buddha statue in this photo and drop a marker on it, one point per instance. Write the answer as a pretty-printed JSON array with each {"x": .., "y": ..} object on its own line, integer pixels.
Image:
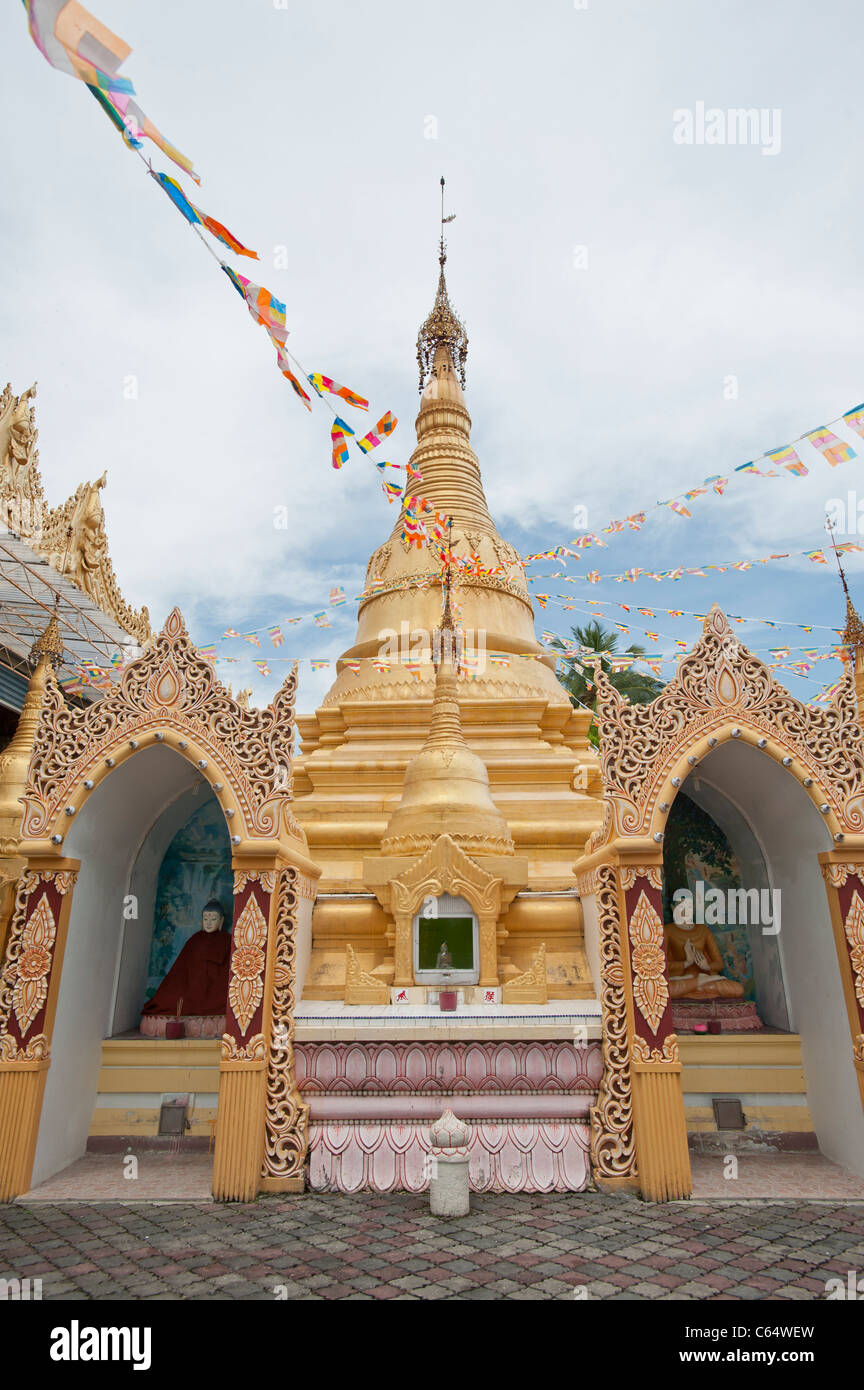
[{"x": 694, "y": 960}]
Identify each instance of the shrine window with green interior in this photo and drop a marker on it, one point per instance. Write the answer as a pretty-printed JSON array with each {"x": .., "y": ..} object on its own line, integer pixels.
[{"x": 446, "y": 945}]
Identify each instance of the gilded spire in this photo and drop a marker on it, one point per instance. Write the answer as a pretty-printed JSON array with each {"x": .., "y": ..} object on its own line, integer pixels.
[
  {"x": 446, "y": 789},
  {"x": 47, "y": 651},
  {"x": 853, "y": 632},
  {"x": 442, "y": 328},
  {"x": 48, "y": 644}
]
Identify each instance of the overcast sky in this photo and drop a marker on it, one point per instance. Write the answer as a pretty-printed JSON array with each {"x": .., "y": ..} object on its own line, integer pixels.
[{"x": 596, "y": 377}]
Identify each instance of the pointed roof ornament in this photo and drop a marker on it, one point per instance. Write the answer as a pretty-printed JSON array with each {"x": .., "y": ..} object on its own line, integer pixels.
[
  {"x": 442, "y": 328},
  {"x": 853, "y": 633},
  {"x": 49, "y": 643}
]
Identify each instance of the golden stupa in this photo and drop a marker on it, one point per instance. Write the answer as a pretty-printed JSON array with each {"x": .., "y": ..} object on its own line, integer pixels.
[{"x": 518, "y": 775}]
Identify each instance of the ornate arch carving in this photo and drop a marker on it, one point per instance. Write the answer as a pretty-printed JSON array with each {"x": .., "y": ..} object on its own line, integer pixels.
[
  {"x": 170, "y": 695},
  {"x": 719, "y": 686},
  {"x": 444, "y": 868}
]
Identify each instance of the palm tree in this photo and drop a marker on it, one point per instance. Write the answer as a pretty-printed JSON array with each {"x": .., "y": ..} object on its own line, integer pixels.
[{"x": 638, "y": 688}]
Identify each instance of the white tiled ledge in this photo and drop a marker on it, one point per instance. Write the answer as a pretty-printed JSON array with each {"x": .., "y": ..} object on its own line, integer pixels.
[{"x": 332, "y": 1020}]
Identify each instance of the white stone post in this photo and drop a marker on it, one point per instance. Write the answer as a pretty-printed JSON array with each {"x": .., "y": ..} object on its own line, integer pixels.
[{"x": 449, "y": 1188}]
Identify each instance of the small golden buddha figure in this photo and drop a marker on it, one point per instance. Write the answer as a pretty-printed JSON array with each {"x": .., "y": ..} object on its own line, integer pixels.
[{"x": 695, "y": 962}]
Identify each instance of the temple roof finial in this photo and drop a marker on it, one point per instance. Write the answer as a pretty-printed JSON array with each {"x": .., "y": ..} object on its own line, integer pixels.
[
  {"x": 49, "y": 643},
  {"x": 442, "y": 328},
  {"x": 853, "y": 633}
]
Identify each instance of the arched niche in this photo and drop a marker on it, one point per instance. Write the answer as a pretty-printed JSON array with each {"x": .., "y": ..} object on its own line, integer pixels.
[
  {"x": 785, "y": 776},
  {"x": 184, "y": 860},
  {"x": 790, "y": 833},
  {"x": 99, "y": 780},
  {"x": 107, "y": 838},
  {"x": 709, "y": 838}
]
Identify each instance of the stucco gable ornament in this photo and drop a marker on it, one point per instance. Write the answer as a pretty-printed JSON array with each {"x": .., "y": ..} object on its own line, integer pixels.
[
  {"x": 445, "y": 868},
  {"x": 170, "y": 687},
  {"x": 720, "y": 681},
  {"x": 22, "y": 500}
]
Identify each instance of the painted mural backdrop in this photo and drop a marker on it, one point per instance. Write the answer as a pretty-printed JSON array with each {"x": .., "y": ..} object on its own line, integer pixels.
[
  {"x": 196, "y": 868},
  {"x": 696, "y": 848}
]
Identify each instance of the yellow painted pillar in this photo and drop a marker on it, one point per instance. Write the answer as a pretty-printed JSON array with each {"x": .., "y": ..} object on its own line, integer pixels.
[
  {"x": 844, "y": 883},
  {"x": 262, "y": 1121},
  {"x": 29, "y": 989},
  {"x": 239, "y": 1149},
  {"x": 659, "y": 1122},
  {"x": 639, "y": 1129},
  {"x": 14, "y": 763}
]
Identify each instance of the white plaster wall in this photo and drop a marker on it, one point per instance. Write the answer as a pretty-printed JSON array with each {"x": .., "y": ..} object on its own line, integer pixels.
[
  {"x": 105, "y": 836},
  {"x": 591, "y": 929},
  {"x": 791, "y": 833},
  {"x": 304, "y": 944}
]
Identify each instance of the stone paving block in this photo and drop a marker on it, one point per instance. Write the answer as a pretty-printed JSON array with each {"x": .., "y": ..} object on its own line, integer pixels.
[{"x": 325, "y": 1248}]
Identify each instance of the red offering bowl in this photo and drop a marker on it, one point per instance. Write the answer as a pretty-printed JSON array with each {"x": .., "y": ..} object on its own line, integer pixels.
[
  {"x": 175, "y": 1028},
  {"x": 447, "y": 1001}
]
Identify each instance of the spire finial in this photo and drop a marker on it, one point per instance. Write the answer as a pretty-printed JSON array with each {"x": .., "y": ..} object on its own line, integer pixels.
[
  {"x": 49, "y": 643},
  {"x": 445, "y": 647},
  {"x": 442, "y": 327},
  {"x": 853, "y": 633}
]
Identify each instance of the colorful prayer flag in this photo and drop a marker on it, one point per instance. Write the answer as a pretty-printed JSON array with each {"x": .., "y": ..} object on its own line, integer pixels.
[
  {"x": 386, "y": 425},
  {"x": 222, "y": 234},
  {"x": 338, "y": 597},
  {"x": 326, "y": 383},
  {"x": 718, "y": 483},
  {"x": 262, "y": 667},
  {"x": 817, "y": 556},
  {"x": 74, "y": 42},
  {"x": 855, "y": 419},
  {"x": 320, "y": 665},
  {"x": 276, "y": 636},
  {"x": 126, "y": 113},
  {"x": 678, "y": 507},
  {"x": 338, "y": 435},
  {"x": 195, "y": 216},
  {"x": 353, "y": 666},
  {"x": 321, "y": 620},
  {"x": 230, "y": 632},
  {"x": 392, "y": 491},
  {"x": 789, "y": 459},
  {"x": 264, "y": 307},
  {"x": 285, "y": 369},
  {"x": 253, "y": 638},
  {"x": 830, "y": 447}
]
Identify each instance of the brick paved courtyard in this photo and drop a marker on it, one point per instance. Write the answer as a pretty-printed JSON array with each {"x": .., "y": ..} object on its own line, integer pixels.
[{"x": 369, "y": 1247}]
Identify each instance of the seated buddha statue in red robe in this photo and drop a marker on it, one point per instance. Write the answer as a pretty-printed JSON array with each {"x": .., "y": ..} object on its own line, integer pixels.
[{"x": 197, "y": 983}]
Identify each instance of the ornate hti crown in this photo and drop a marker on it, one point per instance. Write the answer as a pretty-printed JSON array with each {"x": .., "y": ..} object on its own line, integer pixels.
[{"x": 442, "y": 328}]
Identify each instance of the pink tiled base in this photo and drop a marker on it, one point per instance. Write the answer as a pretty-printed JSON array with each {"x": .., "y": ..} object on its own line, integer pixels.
[
  {"x": 371, "y": 1105},
  {"x": 508, "y": 1157},
  {"x": 797, "y": 1176},
  {"x": 161, "y": 1177},
  {"x": 543, "y": 1068},
  {"x": 194, "y": 1025},
  {"x": 736, "y": 1016}
]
